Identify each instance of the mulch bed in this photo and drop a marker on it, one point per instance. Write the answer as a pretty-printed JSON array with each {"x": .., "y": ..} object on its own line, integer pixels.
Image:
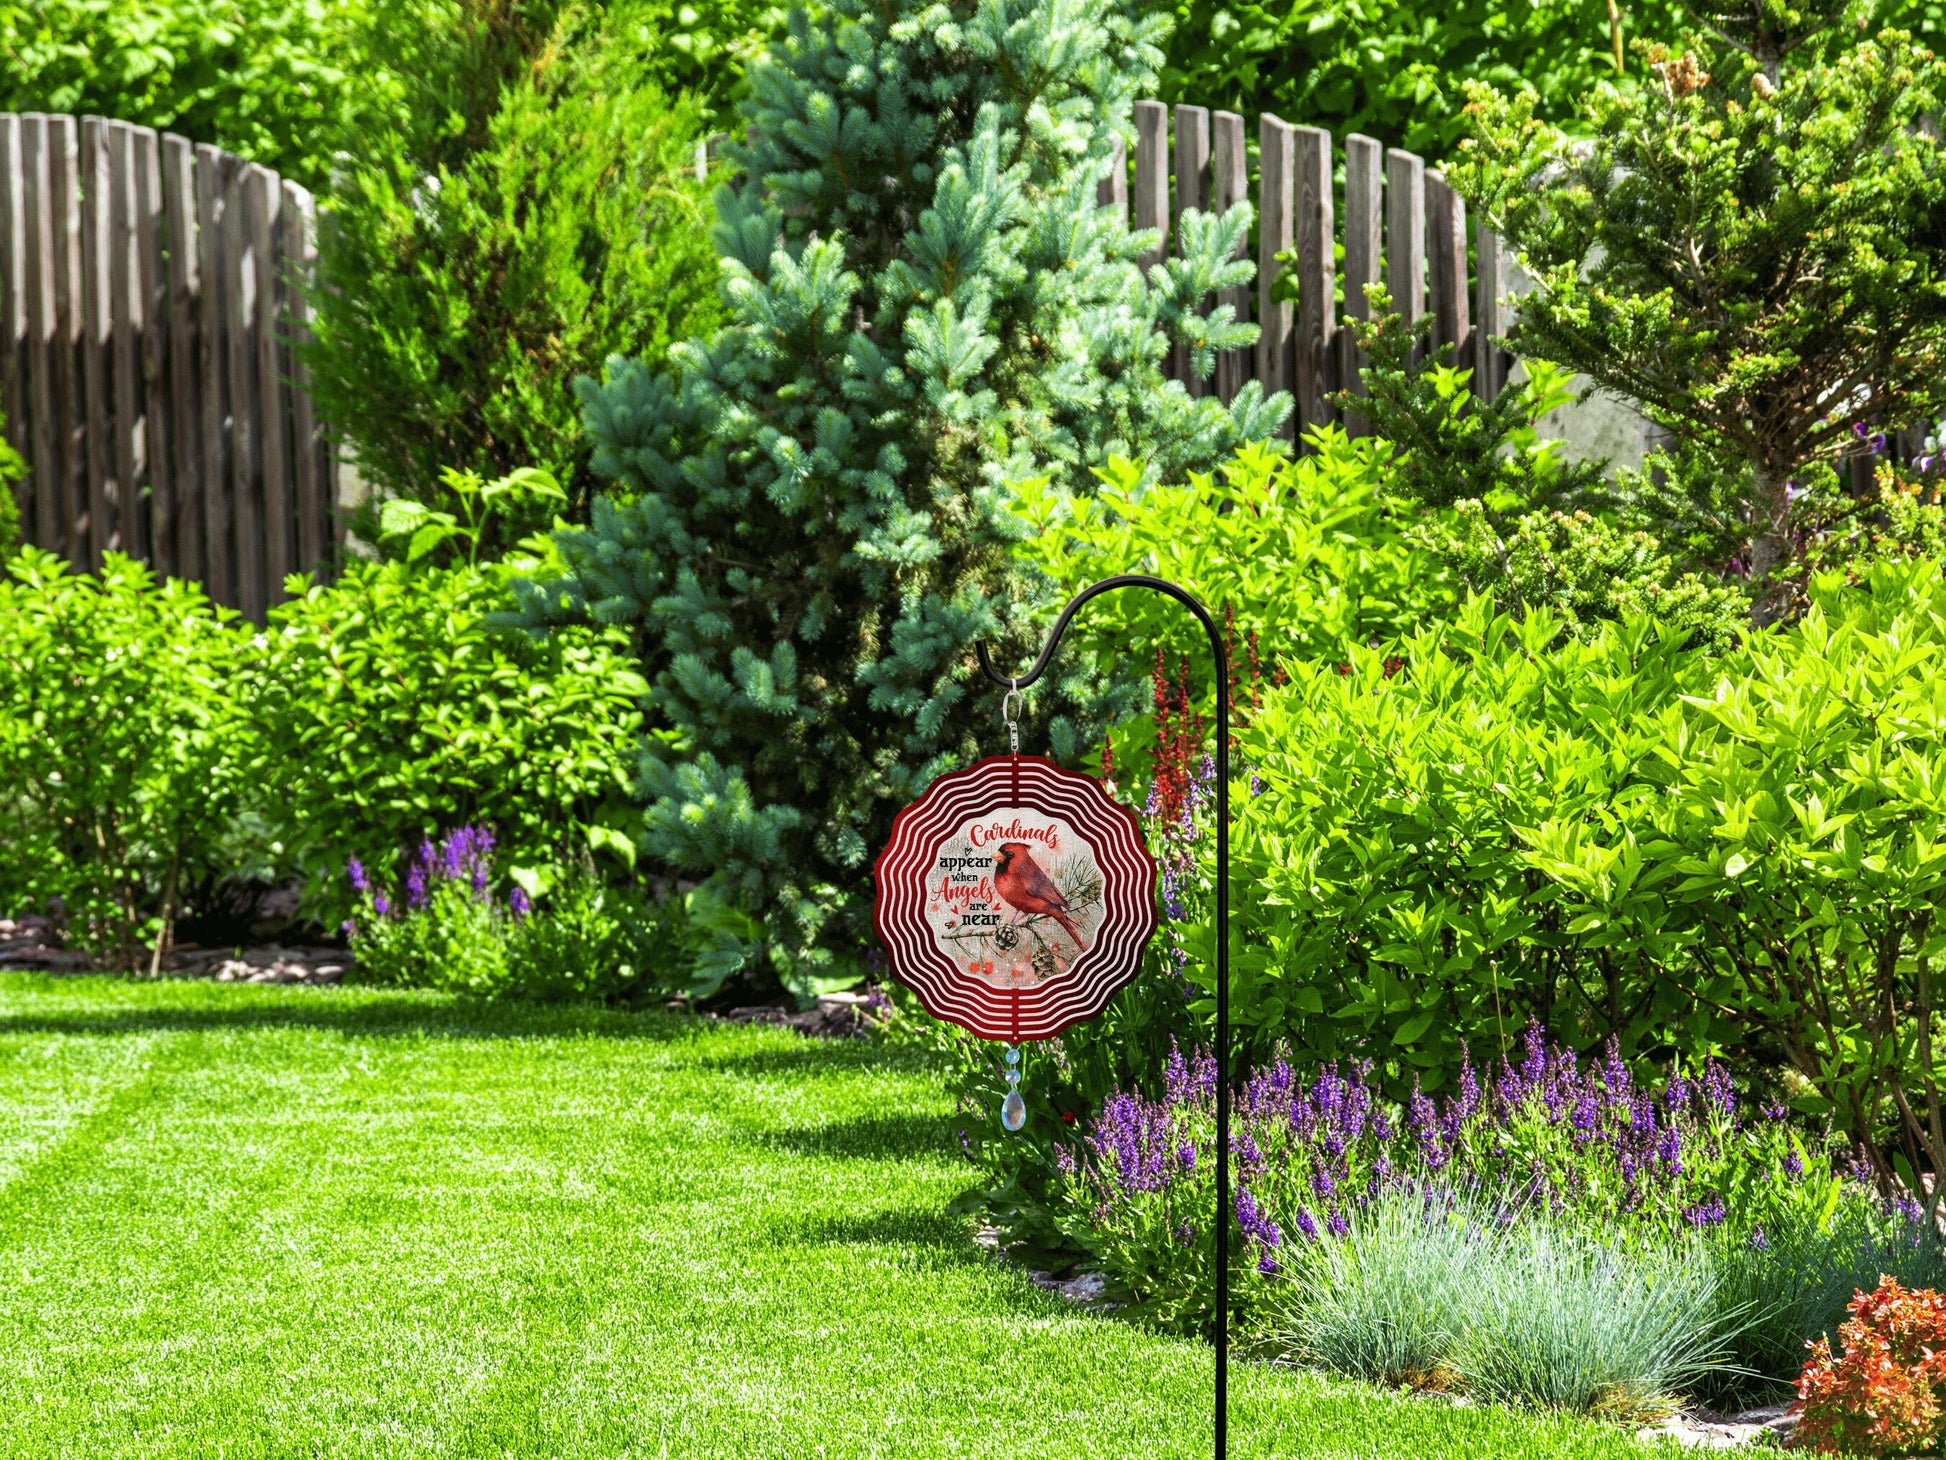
[{"x": 35, "y": 942}]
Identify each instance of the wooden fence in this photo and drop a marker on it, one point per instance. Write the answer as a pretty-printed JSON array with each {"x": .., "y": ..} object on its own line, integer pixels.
[
  {"x": 1401, "y": 225},
  {"x": 150, "y": 292}
]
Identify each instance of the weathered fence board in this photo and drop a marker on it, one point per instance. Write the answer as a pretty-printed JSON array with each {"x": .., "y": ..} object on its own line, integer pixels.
[
  {"x": 212, "y": 376},
  {"x": 13, "y": 300},
  {"x": 1230, "y": 186},
  {"x": 238, "y": 288},
  {"x": 184, "y": 313},
  {"x": 151, "y": 309},
  {"x": 1317, "y": 320},
  {"x": 1152, "y": 175},
  {"x": 1276, "y": 155},
  {"x": 1192, "y": 191},
  {"x": 151, "y": 296},
  {"x": 70, "y": 423},
  {"x": 1364, "y": 210}
]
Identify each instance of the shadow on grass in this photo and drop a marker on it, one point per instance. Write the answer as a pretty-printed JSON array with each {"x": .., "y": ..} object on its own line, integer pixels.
[
  {"x": 806, "y": 1056},
  {"x": 937, "y": 1233},
  {"x": 193, "y": 1007},
  {"x": 895, "y": 1137},
  {"x": 128, "y": 1006}
]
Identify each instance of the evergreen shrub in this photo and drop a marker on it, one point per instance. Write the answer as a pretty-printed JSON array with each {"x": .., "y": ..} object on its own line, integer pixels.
[
  {"x": 461, "y": 299},
  {"x": 809, "y": 524},
  {"x": 1752, "y": 247}
]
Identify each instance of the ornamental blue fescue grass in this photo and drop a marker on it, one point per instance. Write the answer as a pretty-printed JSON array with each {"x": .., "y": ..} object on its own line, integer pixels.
[
  {"x": 1389, "y": 1300},
  {"x": 1440, "y": 1291},
  {"x": 1559, "y": 1317}
]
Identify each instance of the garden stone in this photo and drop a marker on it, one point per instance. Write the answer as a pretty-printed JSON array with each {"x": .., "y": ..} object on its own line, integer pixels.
[{"x": 1768, "y": 1426}]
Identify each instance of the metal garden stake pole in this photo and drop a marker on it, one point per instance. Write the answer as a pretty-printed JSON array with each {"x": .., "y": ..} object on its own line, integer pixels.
[{"x": 1189, "y": 601}]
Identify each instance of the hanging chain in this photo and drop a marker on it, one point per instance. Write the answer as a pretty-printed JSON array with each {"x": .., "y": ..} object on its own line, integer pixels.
[{"x": 1010, "y": 712}]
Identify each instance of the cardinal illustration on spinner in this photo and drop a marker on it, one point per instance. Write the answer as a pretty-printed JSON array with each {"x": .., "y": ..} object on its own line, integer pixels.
[{"x": 1021, "y": 883}]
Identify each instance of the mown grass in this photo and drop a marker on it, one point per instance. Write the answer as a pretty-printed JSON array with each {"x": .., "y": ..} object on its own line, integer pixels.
[{"x": 249, "y": 1221}]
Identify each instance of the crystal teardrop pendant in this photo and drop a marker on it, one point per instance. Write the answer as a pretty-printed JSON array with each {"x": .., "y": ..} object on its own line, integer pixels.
[{"x": 1013, "y": 1111}]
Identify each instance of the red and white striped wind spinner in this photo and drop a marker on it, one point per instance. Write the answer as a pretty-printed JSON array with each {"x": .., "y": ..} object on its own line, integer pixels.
[{"x": 1015, "y": 898}]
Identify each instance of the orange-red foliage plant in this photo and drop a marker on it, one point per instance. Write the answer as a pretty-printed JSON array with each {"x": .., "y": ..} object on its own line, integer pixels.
[{"x": 1883, "y": 1395}]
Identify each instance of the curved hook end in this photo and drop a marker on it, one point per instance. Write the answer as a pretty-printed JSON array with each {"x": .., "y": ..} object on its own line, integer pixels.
[{"x": 986, "y": 665}]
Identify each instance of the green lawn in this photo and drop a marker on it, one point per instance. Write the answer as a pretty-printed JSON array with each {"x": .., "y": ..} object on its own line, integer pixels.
[{"x": 255, "y": 1221}]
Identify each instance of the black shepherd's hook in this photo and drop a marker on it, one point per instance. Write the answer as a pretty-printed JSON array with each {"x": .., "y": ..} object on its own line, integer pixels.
[{"x": 1189, "y": 601}]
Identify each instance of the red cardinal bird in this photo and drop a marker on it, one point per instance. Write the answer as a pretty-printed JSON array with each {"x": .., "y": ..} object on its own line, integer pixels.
[{"x": 1018, "y": 878}]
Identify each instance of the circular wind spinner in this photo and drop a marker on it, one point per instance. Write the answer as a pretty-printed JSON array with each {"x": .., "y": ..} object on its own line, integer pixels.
[{"x": 1015, "y": 898}]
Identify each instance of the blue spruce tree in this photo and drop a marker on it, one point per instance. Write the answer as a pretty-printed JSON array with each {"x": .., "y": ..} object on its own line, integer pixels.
[{"x": 808, "y": 525}]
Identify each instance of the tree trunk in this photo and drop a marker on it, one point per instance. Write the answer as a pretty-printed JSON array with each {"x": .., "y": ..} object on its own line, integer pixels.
[{"x": 1770, "y": 544}]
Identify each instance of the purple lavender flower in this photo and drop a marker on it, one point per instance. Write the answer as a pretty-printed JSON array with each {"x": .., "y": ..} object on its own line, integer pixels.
[
  {"x": 1306, "y": 1224},
  {"x": 1266, "y": 1264},
  {"x": 1336, "y": 1224},
  {"x": 1469, "y": 1085},
  {"x": 1717, "y": 1090},
  {"x": 415, "y": 888},
  {"x": 1707, "y": 1212},
  {"x": 382, "y": 905},
  {"x": 519, "y": 905},
  {"x": 1186, "y": 1156},
  {"x": 1256, "y": 1225},
  {"x": 1793, "y": 1162},
  {"x": 1758, "y": 1241},
  {"x": 355, "y": 870},
  {"x": 1669, "y": 1150}
]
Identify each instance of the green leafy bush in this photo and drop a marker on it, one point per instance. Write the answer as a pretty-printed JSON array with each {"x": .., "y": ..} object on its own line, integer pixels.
[
  {"x": 122, "y": 746},
  {"x": 1301, "y": 557},
  {"x": 294, "y": 85},
  {"x": 280, "y": 83},
  {"x": 1788, "y": 878},
  {"x": 1582, "y": 569},
  {"x": 389, "y": 709},
  {"x": 1394, "y": 69},
  {"x": 1449, "y": 446},
  {"x": 445, "y": 925},
  {"x": 809, "y": 526},
  {"x": 461, "y": 301},
  {"x": 1517, "y": 527}
]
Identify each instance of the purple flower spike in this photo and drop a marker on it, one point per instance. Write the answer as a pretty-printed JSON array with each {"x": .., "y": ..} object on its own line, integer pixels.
[
  {"x": 415, "y": 888},
  {"x": 382, "y": 905},
  {"x": 518, "y": 903},
  {"x": 355, "y": 870}
]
